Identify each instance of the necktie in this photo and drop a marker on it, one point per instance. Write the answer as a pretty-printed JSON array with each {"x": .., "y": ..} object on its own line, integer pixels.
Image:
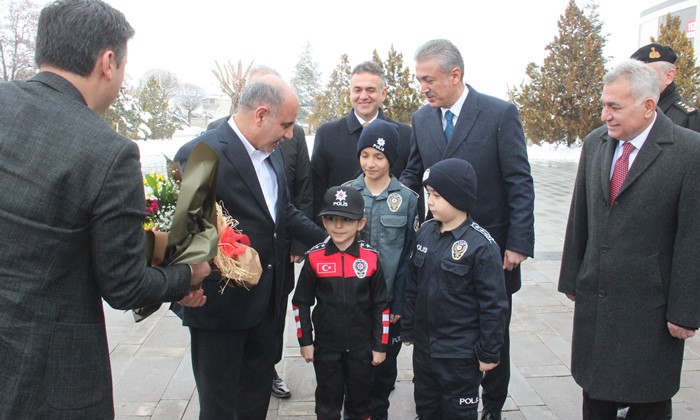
[
  {"x": 620, "y": 171},
  {"x": 365, "y": 124},
  {"x": 448, "y": 126}
]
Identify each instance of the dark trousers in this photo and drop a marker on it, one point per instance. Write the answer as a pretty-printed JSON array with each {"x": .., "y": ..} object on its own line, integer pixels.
[
  {"x": 233, "y": 370},
  {"x": 495, "y": 383},
  {"x": 343, "y": 374},
  {"x": 445, "y": 389},
  {"x": 385, "y": 376},
  {"x": 607, "y": 410}
]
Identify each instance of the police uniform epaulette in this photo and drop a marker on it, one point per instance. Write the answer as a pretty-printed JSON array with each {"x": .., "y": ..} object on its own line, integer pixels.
[
  {"x": 482, "y": 231},
  {"x": 365, "y": 245},
  {"x": 316, "y": 247},
  {"x": 685, "y": 107},
  {"x": 406, "y": 188}
]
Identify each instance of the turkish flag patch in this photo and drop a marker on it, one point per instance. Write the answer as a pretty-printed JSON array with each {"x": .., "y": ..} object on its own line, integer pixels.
[{"x": 325, "y": 268}]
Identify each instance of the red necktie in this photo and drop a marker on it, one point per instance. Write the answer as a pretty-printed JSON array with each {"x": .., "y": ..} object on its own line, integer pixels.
[{"x": 620, "y": 171}]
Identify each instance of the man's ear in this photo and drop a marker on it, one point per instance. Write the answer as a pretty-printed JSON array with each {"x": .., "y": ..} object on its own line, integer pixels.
[
  {"x": 261, "y": 113},
  {"x": 670, "y": 76},
  {"x": 649, "y": 107},
  {"x": 456, "y": 76},
  {"x": 106, "y": 63}
]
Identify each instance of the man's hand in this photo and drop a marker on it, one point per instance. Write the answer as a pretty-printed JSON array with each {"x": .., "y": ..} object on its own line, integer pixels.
[
  {"x": 485, "y": 367},
  {"x": 394, "y": 318},
  {"x": 296, "y": 258},
  {"x": 199, "y": 272},
  {"x": 512, "y": 259},
  {"x": 378, "y": 357},
  {"x": 307, "y": 352},
  {"x": 679, "y": 332},
  {"x": 571, "y": 297},
  {"x": 194, "y": 299}
]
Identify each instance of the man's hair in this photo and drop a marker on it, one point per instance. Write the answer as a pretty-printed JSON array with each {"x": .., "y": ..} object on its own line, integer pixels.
[
  {"x": 72, "y": 34},
  {"x": 262, "y": 70},
  {"x": 445, "y": 52},
  {"x": 643, "y": 81},
  {"x": 262, "y": 93},
  {"x": 370, "y": 67},
  {"x": 662, "y": 67}
]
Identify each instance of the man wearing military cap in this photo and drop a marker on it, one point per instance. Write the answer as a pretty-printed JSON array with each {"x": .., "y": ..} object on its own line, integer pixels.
[{"x": 661, "y": 59}]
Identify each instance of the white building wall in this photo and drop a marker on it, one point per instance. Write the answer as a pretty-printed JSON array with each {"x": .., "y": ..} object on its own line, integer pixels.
[{"x": 688, "y": 10}]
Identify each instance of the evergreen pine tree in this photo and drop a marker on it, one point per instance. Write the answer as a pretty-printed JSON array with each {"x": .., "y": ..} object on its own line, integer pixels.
[
  {"x": 403, "y": 97},
  {"x": 334, "y": 102},
  {"x": 306, "y": 83},
  {"x": 154, "y": 103},
  {"x": 125, "y": 116},
  {"x": 687, "y": 73},
  {"x": 560, "y": 103}
]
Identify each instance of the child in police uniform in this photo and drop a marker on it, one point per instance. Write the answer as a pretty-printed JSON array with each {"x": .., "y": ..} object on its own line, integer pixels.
[
  {"x": 343, "y": 278},
  {"x": 456, "y": 303},
  {"x": 392, "y": 221}
]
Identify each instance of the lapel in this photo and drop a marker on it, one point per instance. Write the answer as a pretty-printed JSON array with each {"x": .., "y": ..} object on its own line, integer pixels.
[
  {"x": 352, "y": 123},
  {"x": 232, "y": 148},
  {"x": 607, "y": 150},
  {"x": 432, "y": 125},
  {"x": 660, "y": 133},
  {"x": 277, "y": 161},
  {"x": 467, "y": 118}
]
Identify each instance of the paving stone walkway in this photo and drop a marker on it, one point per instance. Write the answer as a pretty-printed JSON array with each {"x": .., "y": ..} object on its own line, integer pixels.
[{"x": 152, "y": 372}]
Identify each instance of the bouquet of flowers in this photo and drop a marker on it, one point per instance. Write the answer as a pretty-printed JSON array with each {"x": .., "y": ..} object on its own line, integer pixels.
[
  {"x": 161, "y": 199},
  {"x": 183, "y": 222}
]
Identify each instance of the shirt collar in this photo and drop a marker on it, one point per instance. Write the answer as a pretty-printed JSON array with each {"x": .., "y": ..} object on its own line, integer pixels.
[
  {"x": 638, "y": 141},
  {"x": 457, "y": 106},
  {"x": 252, "y": 152},
  {"x": 362, "y": 121}
]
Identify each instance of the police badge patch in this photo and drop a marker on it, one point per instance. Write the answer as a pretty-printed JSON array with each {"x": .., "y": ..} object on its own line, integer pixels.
[
  {"x": 416, "y": 223},
  {"x": 394, "y": 201},
  {"x": 458, "y": 249},
  {"x": 360, "y": 268}
]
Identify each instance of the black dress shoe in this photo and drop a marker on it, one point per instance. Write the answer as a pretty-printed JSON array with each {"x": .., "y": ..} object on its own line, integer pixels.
[{"x": 491, "y": 415}]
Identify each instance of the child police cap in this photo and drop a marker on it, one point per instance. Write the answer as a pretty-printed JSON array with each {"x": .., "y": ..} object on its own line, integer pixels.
[
  {"x": 343, "y": 201},
  {"x": 383, "y": 136},
  {"x": 455, "y": 180}
]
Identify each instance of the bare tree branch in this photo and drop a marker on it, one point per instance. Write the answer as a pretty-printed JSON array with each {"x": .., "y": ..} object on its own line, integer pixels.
[{"x": 232, "y": 81}]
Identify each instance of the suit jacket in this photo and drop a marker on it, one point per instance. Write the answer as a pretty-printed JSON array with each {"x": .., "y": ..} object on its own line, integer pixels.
[
  {"x": 334, "y": 159},
  {"x": 297, "y": 168},
  {"x": 71, "y": 218},
  {"x": 488, "y": 134},
  {"x": 239, "y": 190},
  {"x": 634, "y": 265}
]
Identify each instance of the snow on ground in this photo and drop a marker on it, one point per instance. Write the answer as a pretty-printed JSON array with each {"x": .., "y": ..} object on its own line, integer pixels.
[{"x": 152, "y": 151}]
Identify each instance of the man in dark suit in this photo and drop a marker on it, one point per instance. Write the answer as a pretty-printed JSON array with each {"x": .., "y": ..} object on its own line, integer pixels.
[
  {"x": 661, "y": 59},
  {"x": 630, "y": 252},
  {"x": 297, "y": 168},
  {"x": 460, "y": 122},
  {"x": 71, "y": 219},
  {"x": 335, "y": 143},
  {"x": 234, "y": 340}
]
